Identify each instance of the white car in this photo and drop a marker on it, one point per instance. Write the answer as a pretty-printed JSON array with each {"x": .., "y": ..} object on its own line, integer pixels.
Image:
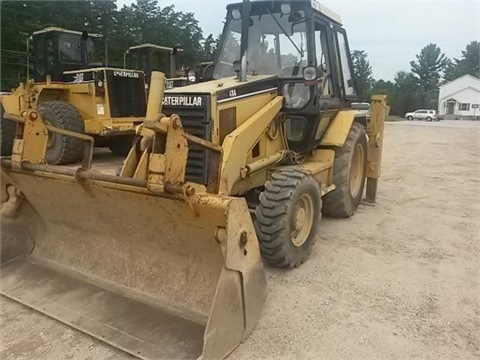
[{"x": 428, "y": 115}]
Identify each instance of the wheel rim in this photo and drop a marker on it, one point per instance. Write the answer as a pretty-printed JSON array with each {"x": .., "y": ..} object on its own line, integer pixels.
[
  {"x": 356, "y": 170},
  {"x": 302, "y": 220}
]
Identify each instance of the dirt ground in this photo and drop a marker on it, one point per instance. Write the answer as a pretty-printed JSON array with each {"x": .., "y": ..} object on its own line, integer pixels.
[{"x": 397, "y": 281}]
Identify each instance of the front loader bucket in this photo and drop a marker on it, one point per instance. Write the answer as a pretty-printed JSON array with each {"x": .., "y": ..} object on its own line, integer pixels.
[{"x": 152, "y": 274}]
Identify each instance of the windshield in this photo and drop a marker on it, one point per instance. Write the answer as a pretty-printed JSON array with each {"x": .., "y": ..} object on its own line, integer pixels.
[
  {"x": 277, "y": 45},
  {"x": 70, "y": 49},
  {"x": 149, "y": 59}
]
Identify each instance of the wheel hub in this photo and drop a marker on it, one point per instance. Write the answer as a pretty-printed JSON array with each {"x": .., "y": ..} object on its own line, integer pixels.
[
  {"x": 302, "y": 220},
  {"x": 51, "y": 136},
  {"x": 356, "y": 170}
]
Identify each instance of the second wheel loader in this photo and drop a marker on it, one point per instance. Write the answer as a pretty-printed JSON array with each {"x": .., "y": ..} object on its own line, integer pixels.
[
  {"x": 73, "y": 90},
  {"x": 164, "y": 260}
]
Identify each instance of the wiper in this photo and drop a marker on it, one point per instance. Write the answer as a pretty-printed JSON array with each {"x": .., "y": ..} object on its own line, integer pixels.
[{"x": 300, "y": 51}]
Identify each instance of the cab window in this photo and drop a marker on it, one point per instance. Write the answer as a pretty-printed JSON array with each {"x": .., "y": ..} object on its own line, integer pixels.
[
  {"x": 344, "y": 64},
  {"x": 322, "y": 61}
]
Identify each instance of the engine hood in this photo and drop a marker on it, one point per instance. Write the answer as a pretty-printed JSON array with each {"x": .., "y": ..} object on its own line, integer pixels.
[{"x": 221, "y": 90}]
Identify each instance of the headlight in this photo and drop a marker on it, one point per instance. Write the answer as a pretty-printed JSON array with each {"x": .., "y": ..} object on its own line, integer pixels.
[
  {"x": 191, "y": 76},
  {"x": 99, "y": 83},
  {"x": 309, "y": 73}
]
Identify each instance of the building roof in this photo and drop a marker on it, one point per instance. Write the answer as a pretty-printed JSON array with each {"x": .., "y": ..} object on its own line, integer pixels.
[
  {"x": 459, "y": 91},
  {"x": 461, "y": 77}
]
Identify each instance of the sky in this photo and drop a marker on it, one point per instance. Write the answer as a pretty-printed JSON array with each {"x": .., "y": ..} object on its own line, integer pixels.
[{"x": 392, "y": 32}]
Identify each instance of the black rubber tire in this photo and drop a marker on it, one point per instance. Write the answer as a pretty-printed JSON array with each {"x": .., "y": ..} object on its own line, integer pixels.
[
  {"x": 340, "y": 203},
  {"x": 410, "y": 118},
  {"x": 121, "y": 145},
  {"x": 429, "y": 118},
  {"x": 274, "y": 217},
  {"x": 7, "y": 133},
  {"x": 65, "y": 149}
]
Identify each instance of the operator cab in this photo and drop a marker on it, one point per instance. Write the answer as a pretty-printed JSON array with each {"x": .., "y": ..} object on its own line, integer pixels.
[
  {"x": 303, "y": 44},
  {"x": 56, "y": 50},
  {"x": 151, "y": 57}
]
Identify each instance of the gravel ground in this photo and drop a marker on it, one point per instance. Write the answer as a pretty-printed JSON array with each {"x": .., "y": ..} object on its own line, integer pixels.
[{"x": 397, "y": 281}]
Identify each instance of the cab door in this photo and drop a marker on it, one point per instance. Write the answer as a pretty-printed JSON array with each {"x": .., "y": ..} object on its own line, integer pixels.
[{"x": 344, "y": 65}]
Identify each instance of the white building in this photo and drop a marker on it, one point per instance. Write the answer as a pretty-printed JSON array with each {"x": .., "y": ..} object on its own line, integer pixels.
[{"x": 460, "y": 98}]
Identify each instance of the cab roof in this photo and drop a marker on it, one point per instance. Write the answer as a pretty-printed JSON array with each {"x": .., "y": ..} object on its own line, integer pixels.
[
  {"x": 313, "y": 5},
  {"x": 153, "y": 46},
  {"x": 59, "y": 29}
]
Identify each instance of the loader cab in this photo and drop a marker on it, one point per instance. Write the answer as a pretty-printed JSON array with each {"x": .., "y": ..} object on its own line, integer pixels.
[
  {"x": 56, "y": 50},
  {"x": 151, "y": 57},
  {"x": 303, "y": 45}
]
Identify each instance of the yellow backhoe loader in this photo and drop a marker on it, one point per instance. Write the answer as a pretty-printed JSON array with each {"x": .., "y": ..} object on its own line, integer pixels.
[
  {"x": 165, "y": 259},
  {"x": 72, "y": 90}
]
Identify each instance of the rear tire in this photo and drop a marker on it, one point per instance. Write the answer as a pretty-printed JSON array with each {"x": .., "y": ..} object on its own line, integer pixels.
[
  {"x": 349, "y": 170},
  {"x": 121, "y": 145},
  {"x": 62, "y": 149},
  {"x": 7, "y": 133},
  {"x": 288, "y": 218}
]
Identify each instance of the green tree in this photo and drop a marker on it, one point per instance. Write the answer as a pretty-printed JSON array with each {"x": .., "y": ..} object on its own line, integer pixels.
[
  {"x": 470, "y": 61},
  {"x": 362, "y": 72},
  {"x": 408, "y": 96},
  {"x": 209, "y": 48},
  {"x": 19, "y": 19},
  {"x": 428, "y": 66},
  {"x": 140, "y": 22},
  {"x": 450, "y": 71},
  {"x": 382, "y": 87}
]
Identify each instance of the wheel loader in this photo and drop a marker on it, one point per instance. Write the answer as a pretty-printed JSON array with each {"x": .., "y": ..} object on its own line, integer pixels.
[
  {"x": 166, "y": 259},
  {"x": 73, "y": 90},
  {"x": 151, "y": 57}
]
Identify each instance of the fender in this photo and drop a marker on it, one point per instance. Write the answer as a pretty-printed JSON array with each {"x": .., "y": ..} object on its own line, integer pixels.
[{"x": 337, "y": 132}]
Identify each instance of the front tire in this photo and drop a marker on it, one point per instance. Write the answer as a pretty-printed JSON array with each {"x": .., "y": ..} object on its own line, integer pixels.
[
  {"x": 7, "y": 133},
  {"x": 410, "y": 118},
  {"x": 288, "y": 217},
  {"x": 120, "y": 145},
  {"x": 62, "y": 149},
  {"x": 349, "y": 168}
]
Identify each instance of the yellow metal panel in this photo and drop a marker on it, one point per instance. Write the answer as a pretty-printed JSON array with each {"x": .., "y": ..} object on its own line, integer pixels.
[
  {"x": 338, "y": 130},
  {"x": 238, "y": 144},
  {"x": 12, "y": 103},
  {"x": 93, "y": 126},
  {"x": 211, "y": 87},
  {"x": 35, "y": 138},
  {"x": 245, "y": 108},
  {"x": 323, "y": 158},
  {"x": 375, "y": 128}
]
